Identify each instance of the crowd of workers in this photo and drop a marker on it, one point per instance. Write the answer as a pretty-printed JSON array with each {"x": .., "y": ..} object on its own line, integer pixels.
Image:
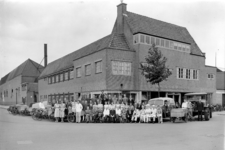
[
  {"x": 110, "y": 110},
  {"x": 121, "y": 108}
]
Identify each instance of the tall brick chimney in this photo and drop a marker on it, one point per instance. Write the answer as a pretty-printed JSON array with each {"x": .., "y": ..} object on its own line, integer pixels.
[
  {"x": 121, "y": 10},
  {"x": 45, "y": 55}
]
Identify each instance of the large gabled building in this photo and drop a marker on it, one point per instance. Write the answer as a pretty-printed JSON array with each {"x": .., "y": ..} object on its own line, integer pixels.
[
  {"x": 20, "y": 85},
  {"x": 112, "y": 63}
]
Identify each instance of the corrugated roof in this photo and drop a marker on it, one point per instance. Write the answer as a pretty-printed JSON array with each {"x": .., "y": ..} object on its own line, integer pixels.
[
  {"x": 112, "y": 40},
  {"x": 17, "y": 71},
  {"x": 143, "y": 24},
  {"x": 25, "y": 69}
]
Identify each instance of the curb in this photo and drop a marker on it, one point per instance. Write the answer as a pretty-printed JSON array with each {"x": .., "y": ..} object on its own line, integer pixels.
[{"x": 4, "y": 107}]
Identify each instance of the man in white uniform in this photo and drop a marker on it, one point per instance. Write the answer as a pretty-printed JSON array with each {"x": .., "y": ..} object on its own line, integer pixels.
[
  {"x": 79, "y": 108},
  {"x": 41, "y": 105}
]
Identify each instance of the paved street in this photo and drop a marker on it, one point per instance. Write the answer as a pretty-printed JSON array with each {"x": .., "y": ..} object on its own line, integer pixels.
[{"x": 23, "y": 133}]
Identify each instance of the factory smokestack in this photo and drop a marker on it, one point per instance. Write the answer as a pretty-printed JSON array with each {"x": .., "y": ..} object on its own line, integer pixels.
[{"x": 45, "y": 55}]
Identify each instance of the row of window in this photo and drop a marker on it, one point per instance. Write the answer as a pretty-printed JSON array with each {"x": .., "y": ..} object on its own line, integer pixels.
[
  {"x": 63, "y": 76},
  {"x": 6, "y": 93},
  {"x": 87, "y": 69},
  {"x": 65, "y": 97},
  {"x": 190, "y": 74},
  {"x": 211, "y": 76},
  {"x": 146, "y": 39},
  {"x": 43, "y": 96}
]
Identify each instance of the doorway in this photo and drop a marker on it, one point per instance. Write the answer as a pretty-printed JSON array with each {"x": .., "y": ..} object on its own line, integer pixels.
[
  {"x": 223, "y": 100},
  {"x": 175, "y": 96}
]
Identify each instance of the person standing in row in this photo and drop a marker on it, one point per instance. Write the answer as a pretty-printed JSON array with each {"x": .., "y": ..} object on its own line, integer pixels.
[
  {"x": 62, "y": 107},
  {"x": 73, "y": 106},
  {"x": 79, "y": 108},
  {"x": 114, "y": 99},
  {"x": 56, "y": 113},
  {"x": 200, "y": 107}
]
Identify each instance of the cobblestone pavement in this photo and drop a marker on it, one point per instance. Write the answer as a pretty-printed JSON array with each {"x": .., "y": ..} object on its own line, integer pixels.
[{"x": 23, "y": 133}]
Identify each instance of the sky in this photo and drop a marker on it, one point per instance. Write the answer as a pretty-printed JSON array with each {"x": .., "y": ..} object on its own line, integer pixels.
[{"x": 68, "y": 25}]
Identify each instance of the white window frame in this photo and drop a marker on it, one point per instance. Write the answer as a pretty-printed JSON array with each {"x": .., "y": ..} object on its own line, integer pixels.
[
  {"x": 100, "y": 70},
  {"x": 71, "y": 74},
  {"x": 163, "y": 45},
  {"x": 66, "y": 76},
  {"x": 188, "y": 74},
  {"x": 157, "y": 41},
  {"x": 149, "y": 39},
  {"x": 142, "y": 36},
  {"x": 136, "y": 39},
  {"x": 152, "y": 37},
  {"x": 80, "y": 74},
  {"x": 86, "y": 71}
]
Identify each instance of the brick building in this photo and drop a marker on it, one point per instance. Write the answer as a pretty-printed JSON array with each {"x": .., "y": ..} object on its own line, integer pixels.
[
  {"x": 20, "y": 85},
  {"x": 220, "y": 86},
  {"x": 111, "y": 64}
]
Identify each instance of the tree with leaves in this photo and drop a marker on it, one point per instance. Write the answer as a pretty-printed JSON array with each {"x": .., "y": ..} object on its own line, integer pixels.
[{"x": 155, "y": 69}]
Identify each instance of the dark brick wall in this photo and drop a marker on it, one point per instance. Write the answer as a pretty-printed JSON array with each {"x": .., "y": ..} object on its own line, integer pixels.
[{"x": 114, "y": 82}]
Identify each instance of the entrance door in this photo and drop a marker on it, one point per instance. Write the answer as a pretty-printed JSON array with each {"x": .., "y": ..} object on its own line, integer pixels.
[
  {"x": 176, "y": 98},
  {"x": 35, "y": 98},
  {"x": 223, "y": 100}
]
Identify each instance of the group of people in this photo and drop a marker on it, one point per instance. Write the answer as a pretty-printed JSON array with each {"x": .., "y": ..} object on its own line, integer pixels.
[
  {"x": 199, "y": 106},
  {"x": 110, "y": 111}
]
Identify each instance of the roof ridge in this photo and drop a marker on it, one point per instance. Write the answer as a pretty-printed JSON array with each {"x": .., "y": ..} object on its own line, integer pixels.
[
  {"x": 24, "y": 65},
  {"x": 111, "y": 39},
  {"x": 68, "y": 59},
  {"x": 34, "y": 64},
  {"x": 79, "y": 49},
  {"x": 155, "y": 19}
]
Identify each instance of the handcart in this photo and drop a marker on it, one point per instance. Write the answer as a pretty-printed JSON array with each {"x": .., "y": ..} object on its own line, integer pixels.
[{"x": 178, "y": 114}]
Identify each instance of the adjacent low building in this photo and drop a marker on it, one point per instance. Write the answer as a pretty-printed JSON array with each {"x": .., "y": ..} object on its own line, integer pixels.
[
  {"x": 111, "y": 64},
  {"x": 20, "y": 85}
]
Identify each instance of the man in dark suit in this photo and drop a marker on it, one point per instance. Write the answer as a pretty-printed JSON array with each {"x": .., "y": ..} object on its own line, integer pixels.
[
  {"x": 112, "y": 115},
  {"x": 200, "y": 107}
]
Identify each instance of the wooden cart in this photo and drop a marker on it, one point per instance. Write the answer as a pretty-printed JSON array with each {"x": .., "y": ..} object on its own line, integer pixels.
[{"x": 178, "y": 113}]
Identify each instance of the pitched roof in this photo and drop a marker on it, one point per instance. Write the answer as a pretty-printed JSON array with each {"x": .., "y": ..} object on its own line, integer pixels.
[
  {"x": 111, "y": 41},
  {"x": 143, "y": 24},
  {"x": 4, "y": 79},
  {"x": 25, "y": 69},
  {"x": 218, "y": 70}
]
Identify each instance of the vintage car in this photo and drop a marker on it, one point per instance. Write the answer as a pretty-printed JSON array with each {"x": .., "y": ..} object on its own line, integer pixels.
[
  {"x": 194, "y": 98},
  {"x": 165, "y": 103},
  {"x": 37, "y": 106}
]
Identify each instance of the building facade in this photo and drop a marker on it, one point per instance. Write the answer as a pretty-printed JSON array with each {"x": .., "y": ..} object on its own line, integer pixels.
[
  {"x": 20, "y": 85},
  {"x": 112, "y": 64},
  {"x": 220, "y": 87}
]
